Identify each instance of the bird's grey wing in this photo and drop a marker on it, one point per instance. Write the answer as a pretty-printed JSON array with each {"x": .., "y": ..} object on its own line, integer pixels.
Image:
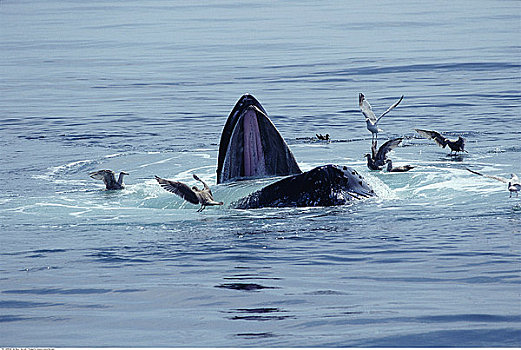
[
  {"x": 206, "y": 187},
  {"x": 498, "y": 178},
  {"x": 100, "y": 174},
  {"x": 179, "y": 188},
  {"x": 514, "y": 179},
  {"x": 436, "y": 136},
  {"x": 366, "y": 109},
  {"x": 387, "y": 147},
  {"x": 390, "y": 109}
]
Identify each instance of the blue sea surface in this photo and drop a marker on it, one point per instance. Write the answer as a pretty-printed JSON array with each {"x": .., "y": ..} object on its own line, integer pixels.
[{"x": 146, "y": 87}]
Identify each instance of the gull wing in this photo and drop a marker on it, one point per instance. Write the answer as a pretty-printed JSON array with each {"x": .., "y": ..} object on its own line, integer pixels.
[
  {"x": 366, "y": 109},
  {"x": 100, "y": 174},
  {"x": 390, "y": 108},
  {"x": 179, "y": 188},
  {"x": 436, "y": 136},
  {"x": 387, "y": 147},
  {"x": 498, "y": 178},
  {"x": 206, "y": 187}
]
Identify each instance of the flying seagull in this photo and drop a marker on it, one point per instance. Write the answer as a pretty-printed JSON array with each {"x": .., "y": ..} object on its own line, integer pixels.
[
  {"x": 398, "y": 169},
  {"x": 192, "y": 195},
  {"x": 454, "y": 145},
  {"x": 377, "y": 160},
  {"x": 370, "y": 117},
  {"x": 513, "y": 183},
  {"x": 109, "y": 178}
]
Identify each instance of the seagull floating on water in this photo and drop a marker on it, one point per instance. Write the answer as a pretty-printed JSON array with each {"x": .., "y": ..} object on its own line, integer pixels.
[
  {"x": 377, "y": 160},
  {"x": 370, "y": 117},
  {"x": 192, "y": 195},
  {"x": 323, "y": 137},
  {"x": 398, "y": 169},
  {"x": 454, "y": 145},
  {"x": 109, "y": 178},
  {"x": 513, "y": 183}
]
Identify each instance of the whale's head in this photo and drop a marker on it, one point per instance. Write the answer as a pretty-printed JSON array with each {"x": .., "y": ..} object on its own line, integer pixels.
[
  {"x": 251, "y": 146},
  {"x": 326, "y": 185}
]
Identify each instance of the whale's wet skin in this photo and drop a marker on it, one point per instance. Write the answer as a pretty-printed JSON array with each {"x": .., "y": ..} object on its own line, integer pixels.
[
  {"x": 147, "y": 88},
  {"x": 251, "y": 146},
  {"x": 327, "y": 185},
  {"x": 251, "y": 154}
]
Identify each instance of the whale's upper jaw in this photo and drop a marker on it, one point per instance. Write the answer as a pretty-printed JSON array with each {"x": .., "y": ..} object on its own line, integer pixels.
[{"x": 251, "y": 145}]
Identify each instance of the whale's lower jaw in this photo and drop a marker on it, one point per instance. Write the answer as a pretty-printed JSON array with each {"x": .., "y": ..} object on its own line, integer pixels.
[
  {"x": 324, "y": 186},
  {"x": 251, "y": 146}
]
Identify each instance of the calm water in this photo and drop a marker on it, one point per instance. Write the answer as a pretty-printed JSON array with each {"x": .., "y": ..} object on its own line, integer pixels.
[{"x": 146, "y": 86}]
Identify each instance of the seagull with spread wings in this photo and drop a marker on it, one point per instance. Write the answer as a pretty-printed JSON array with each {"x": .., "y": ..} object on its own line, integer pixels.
[
  {"x": 370, "y": 117},
  {"x": 192, "y": 195},
  {"x": 513, "y": 183},
  {"x": 109, "y": 179},
  {"x": 376, "y": 160},
  {"x": 454, "y": 145}
]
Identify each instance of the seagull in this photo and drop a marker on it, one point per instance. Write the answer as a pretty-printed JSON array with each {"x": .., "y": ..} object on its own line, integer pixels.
[
  {"x": 192, "y": 195},
  {"x": 323, "y": 137},
  {"x": 370, "y": 117},
  {"x": 513, "y": 183},
  {"x": 455, "y": 146},
  {"x": 398, "y": 169},
  {"x": 376, "y": 160},
  {"x": 109, "y": 178}
]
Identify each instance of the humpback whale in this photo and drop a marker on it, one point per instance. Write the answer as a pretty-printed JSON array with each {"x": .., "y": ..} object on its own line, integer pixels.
[
  {"x": 251, "y": 146},
  {"x": 454, "y": 145},
  {"x": 326, "y": 185},
  {"x": 109, "y": 178}
]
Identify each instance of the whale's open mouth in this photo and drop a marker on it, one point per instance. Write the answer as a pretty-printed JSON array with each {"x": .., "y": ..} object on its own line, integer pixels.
[{"x": 251, "y": 146}]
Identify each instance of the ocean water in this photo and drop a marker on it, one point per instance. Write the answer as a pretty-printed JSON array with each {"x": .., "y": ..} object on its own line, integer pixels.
[{"x": 146, "y": 87}]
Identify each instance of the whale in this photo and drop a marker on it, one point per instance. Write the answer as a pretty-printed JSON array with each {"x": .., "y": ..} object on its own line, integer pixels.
[
  {"x": 251, "y": 146},
  {"x": 323, "y": 186}
]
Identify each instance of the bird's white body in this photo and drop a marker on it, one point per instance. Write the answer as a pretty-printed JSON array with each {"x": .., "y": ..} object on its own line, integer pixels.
[
  {"x": 372, "y": 127},
  {"x": 370, "y": 118},
  {"x": 514, "y": 185}
]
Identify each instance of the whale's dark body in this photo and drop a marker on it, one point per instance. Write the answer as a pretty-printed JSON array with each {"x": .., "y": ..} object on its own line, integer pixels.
[
  {"x": 251, "y": 147},
  {"x": 326, "y": 185}
]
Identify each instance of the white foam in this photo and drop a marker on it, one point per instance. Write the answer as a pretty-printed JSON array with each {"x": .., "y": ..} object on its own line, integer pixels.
[
  {"x": 52, "y": 172},
  {"x": 202, "y": 155},
  {"x": 114, "y": 155},
  {"x": 382, "y": 190},
  {"x": 162, "y": 161},
  {"x": 187, "y": 174}
]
